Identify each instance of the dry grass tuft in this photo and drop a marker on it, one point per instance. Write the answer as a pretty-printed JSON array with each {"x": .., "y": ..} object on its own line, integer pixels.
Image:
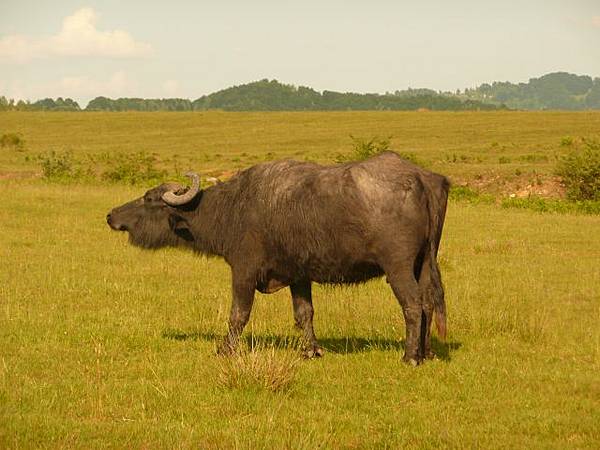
[{"x": 265, "y": 368}]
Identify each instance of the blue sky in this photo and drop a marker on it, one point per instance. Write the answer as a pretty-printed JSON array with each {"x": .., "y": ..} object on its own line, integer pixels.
[{"x": 82, "y": 49}]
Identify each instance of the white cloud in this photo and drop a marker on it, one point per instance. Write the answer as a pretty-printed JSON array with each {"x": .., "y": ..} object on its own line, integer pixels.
[
  {"x": 171, "y": 88},
  {"x": 77, "y": 37}
]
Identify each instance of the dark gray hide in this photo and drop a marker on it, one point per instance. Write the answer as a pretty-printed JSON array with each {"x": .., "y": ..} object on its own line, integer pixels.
[{"x": 289, "y": 223}]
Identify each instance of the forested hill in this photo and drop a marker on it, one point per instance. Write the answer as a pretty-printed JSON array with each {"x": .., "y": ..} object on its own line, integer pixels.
[
  {"x": 268, "y": 95},
  {"x": 558, "y": 90}
]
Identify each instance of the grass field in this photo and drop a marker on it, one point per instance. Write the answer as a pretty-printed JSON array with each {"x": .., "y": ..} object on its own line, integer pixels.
[
  {"x": 106, "y": 346},
  {"x": 462, "y": 145}
]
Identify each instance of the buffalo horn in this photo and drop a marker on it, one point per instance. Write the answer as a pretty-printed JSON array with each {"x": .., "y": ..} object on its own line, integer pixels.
[{"x": 173, "y": 199}]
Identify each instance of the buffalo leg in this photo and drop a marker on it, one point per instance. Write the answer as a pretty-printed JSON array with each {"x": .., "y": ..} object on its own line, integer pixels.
[
  {"x": 428, "y": 291},
  {"x": 303, "y": 315},
  {"x": 406, "y": 290},
  {"x": 426, "y": 319},
  {"x": 241, "y": 306}
]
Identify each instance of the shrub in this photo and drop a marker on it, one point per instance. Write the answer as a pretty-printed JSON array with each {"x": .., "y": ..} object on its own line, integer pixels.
[
  {"x": 60, "y": 166},
  {"x": 13, "y": 140},
  {"x": 566, "y": 141},
  {"x": 580, "y": 172},
  {"x": 504, "y": 160},
  {"x": 135, "y": 168},
  {"x": 363, "y": 149}
]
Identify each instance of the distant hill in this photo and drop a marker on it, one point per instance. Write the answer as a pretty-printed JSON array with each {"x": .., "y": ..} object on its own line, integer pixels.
[
  {"x": 559, "y": 90},
  {"x": 272, "y": 95}
]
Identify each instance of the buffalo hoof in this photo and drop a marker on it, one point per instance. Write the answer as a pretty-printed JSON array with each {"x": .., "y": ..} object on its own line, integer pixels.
[
  {"x": 430, "y": 355},
  {"x": 412, "y": 361},
  {"x": 314, "y": 352}
]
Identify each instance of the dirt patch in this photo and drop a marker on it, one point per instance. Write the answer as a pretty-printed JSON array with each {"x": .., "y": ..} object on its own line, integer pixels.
[
  {"x": 523, "y": 186},
  {"x": 550, "y": 187}
]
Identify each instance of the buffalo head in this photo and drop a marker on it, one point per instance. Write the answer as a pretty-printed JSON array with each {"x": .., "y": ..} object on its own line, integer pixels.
[{"x": 158, "y": 218}]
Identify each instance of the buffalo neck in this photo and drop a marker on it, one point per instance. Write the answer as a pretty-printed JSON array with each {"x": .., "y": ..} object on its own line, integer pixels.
[{"x": 211, "y": 223}]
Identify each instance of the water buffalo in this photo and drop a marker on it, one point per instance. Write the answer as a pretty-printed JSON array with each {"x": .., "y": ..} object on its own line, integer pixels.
[{"x": 288, "y": 223}]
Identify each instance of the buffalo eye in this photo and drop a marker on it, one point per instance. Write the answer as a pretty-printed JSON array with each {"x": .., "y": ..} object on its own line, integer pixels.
[{"x": 150, "y": 199}]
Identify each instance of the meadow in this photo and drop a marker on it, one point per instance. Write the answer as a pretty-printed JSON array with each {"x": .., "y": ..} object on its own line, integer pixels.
[{"x": 103, "y": 345}]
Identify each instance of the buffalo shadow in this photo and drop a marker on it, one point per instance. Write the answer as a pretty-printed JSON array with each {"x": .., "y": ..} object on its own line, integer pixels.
[{"x": 336, "y": 345}]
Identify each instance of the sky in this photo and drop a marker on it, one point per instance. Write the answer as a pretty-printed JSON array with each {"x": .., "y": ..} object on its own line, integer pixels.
[{"x": 178, "y": 48}]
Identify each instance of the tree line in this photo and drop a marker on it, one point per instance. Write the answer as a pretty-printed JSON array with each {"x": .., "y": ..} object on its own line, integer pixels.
[
  {"x": 46, "y": 104},
  {"x": 264, "y": 95},
  {"x": 558, "y": 90}
]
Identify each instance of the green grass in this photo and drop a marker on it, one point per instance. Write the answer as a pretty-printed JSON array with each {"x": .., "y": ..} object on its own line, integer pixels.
[
  {"x": 460, "y": 144},
  {"x": 103, "y": 345}
]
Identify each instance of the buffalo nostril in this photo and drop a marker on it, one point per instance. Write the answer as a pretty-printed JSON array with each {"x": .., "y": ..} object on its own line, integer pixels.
[{"x": 115, "y": 226}]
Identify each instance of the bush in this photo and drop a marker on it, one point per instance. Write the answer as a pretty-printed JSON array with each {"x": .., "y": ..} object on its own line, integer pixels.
[
  {"x": 12, "y": 140},
  {"x": 363, "y": 149},
  {"x": 580, "y": 172},
  {"x": 135, "y": 168},
  {"x": 60, "y": 167},
  {"x": 566, "y": 141}
]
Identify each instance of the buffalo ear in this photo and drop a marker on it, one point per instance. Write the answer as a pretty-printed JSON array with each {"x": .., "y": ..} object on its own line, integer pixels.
[{"x": 180, "y": 227}]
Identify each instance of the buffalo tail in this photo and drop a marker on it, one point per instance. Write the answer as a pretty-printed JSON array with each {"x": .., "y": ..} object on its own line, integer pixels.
[{"x": 437, "y": 213}]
